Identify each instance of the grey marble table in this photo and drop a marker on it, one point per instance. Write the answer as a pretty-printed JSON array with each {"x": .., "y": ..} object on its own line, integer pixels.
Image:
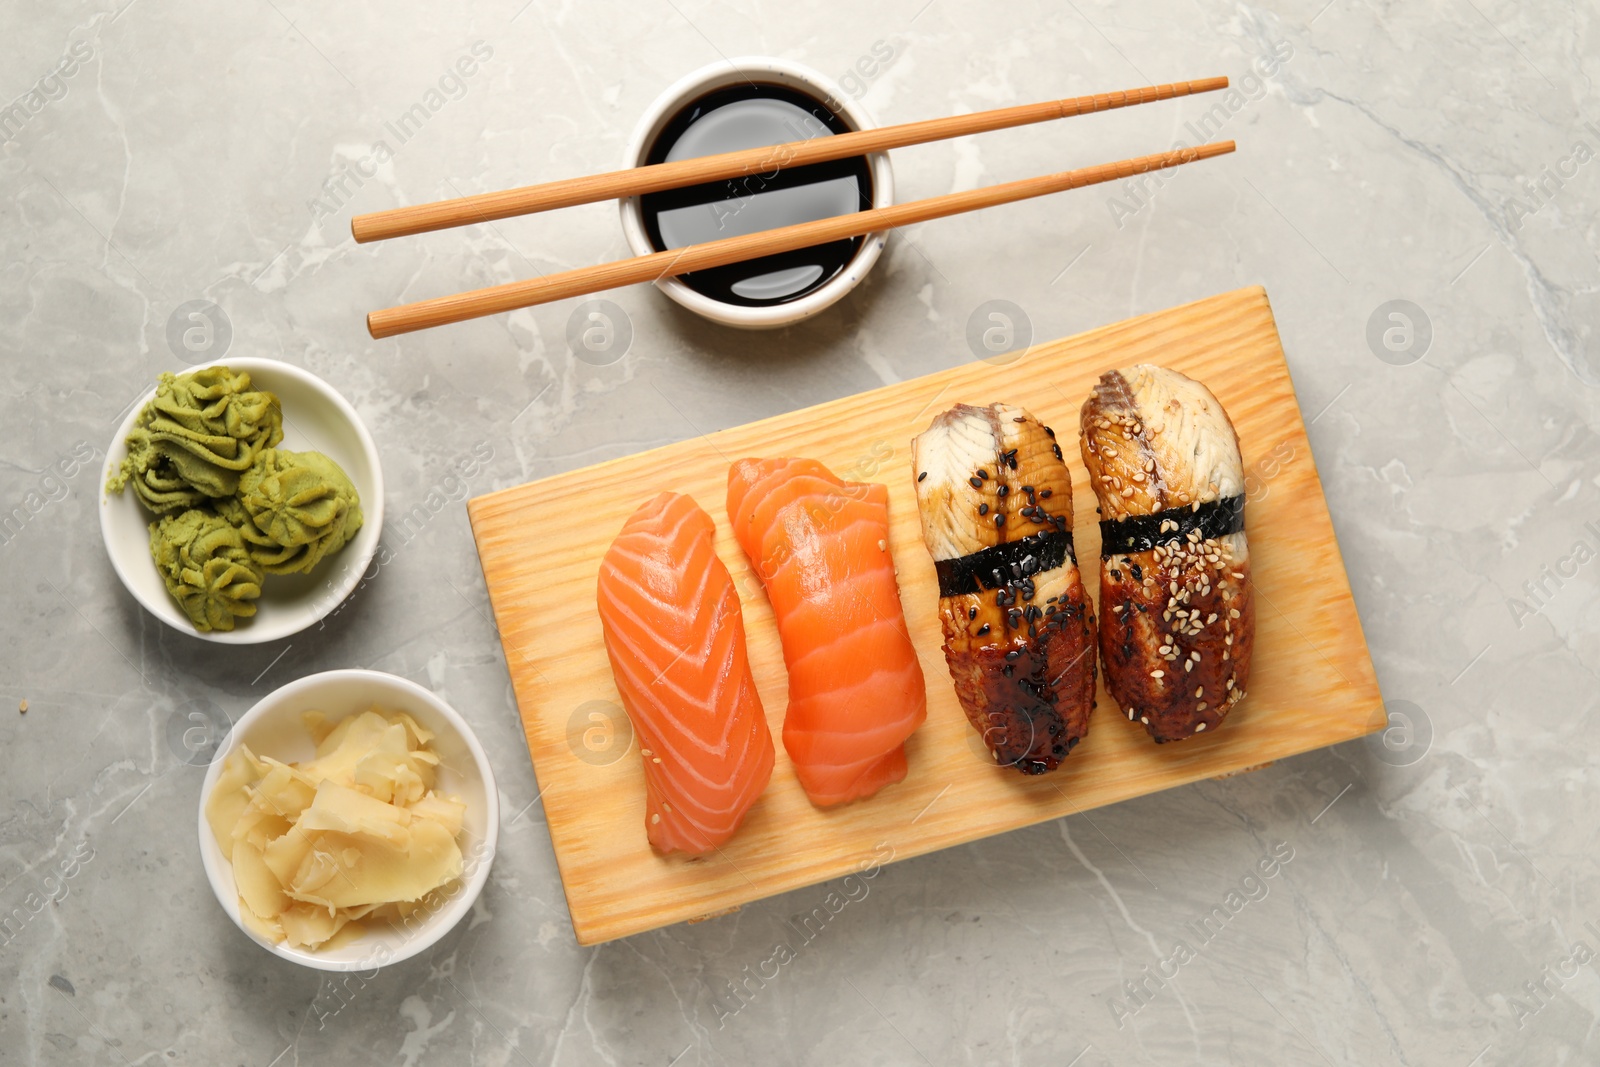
[{"x": 1433, "y": 897}]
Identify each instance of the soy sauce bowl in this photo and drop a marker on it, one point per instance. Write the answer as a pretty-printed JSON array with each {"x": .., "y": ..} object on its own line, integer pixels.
[{"x": 761, "y": 302}]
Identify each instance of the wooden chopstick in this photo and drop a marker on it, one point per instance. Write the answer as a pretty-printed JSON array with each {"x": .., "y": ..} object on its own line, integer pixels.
[
  {"x": 491, "y": 301},
  {"x": 568, "y": 192}
]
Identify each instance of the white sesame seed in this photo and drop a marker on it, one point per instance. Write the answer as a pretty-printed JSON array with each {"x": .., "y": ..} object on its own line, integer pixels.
[
  {"x": 1233, "y": 613},
  {"x": 655, "y": 817},
  {"x": 1157, "y": 673},
  {"x": 1199, "y": 692},
  {"x": 1145, "y": 719},
  {"x": 1188, "y": 665},
  {"x": 1202, "y": 727}
]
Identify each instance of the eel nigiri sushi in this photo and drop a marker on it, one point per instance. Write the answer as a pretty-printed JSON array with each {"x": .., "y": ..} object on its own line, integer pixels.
[
  {"x": 1177, "y": 614},
  {"x": 821, "y": 547},
  {"x": 675, "y": 635},
  {"x": 996, "y": 504}
]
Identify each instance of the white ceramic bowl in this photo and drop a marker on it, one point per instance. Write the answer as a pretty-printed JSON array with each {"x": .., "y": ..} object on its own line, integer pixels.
[
  {"x": 315, "y": 417},
  {"x": 274, "y": 728},
  {"x": 738, "y": 71}
]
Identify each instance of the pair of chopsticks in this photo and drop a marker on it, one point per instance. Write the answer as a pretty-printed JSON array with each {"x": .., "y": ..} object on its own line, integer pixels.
[{"x": 488, "y": 207}]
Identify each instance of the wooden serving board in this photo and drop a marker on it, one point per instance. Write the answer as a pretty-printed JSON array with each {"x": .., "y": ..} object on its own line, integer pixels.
[{"x": 1312, "y": 682}]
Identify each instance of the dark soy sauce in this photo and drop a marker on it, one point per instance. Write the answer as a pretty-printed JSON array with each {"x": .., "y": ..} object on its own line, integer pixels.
[{"x": 749, "y": 116}]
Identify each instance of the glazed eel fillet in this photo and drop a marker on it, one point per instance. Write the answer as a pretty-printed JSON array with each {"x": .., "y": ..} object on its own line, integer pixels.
[
  {"x": 1177, "y": 615},
  {"x": 996, "y": 505}
]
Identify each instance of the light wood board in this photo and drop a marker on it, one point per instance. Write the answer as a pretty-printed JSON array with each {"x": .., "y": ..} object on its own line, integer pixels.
[{"x": 540, "y": 544}]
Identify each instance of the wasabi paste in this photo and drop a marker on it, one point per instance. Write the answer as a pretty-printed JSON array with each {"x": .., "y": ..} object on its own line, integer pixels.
[
  {"x": 234, "y": 507},
  {"x": 207, "y": 568}
]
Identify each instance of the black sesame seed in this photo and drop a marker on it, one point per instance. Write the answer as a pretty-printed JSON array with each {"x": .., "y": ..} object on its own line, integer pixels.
[
  {"x": 983, "y": 509},
  {"x": 1046, "y": 494},
  {"x": 975, "y": 482},
  {"x": 972, "y": 613},
  {"x": 1051, "y": 432},
  {"x": 1004, "y": 490},
  {"x": 1019, "y": 418},
  {"x": 1000, "y": 519},
  {"x": 983, "y": 473},
  {"x": 982, "y": 630},
  {"x": 1057, "y": 450},
  {"x": 921, "y": 476},
  {"x": 1013, "y": 654}
]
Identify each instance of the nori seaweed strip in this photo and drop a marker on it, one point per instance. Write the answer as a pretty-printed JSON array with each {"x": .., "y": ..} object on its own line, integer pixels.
[
  {"x": 1140, "y": 533},
  {"x": 999, "y": 565}
]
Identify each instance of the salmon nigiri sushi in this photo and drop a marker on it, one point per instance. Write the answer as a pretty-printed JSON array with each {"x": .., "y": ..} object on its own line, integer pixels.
[
  {"x": 674, "y": 633},
  {"x": 821, "y": 547}
]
